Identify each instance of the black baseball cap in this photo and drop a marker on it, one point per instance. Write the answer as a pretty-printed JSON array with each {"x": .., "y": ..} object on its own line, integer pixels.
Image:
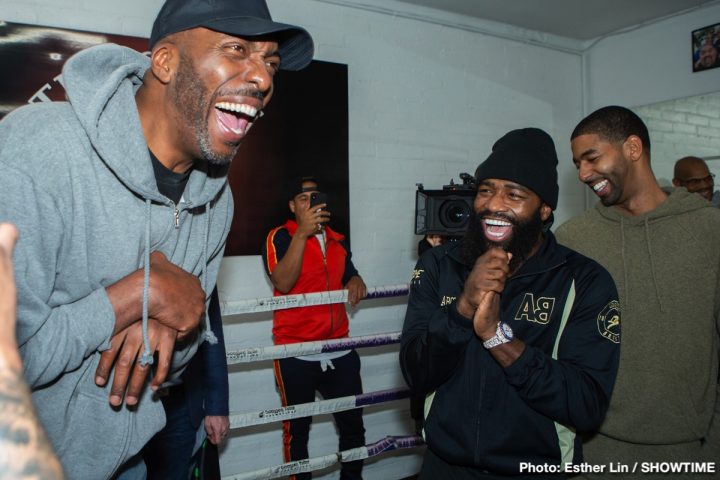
[
  {"x": 241, "y": 18},
  {"x": 294, "y": 186}
]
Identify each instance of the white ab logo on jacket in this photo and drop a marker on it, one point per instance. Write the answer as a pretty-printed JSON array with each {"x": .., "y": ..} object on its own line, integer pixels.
[{"x": 535, "y": 311}]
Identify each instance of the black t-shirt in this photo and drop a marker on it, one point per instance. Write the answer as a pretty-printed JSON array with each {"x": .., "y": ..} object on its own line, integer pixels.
[{"x": 169, "y": 183}]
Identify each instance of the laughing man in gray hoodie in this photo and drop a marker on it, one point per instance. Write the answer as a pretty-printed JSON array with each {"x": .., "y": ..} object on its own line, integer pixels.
[{"x": 113, "y": 275}]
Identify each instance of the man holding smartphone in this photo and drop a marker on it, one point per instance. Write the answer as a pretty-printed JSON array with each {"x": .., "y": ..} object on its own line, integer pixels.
[{"x": 303, "y": 256}]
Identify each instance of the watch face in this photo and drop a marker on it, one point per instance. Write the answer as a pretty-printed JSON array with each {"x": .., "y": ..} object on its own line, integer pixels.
[{"x": 506, "y": 330}]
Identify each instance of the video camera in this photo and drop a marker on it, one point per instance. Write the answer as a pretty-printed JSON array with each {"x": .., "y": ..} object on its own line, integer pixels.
[{"x": 446, "y": 211}]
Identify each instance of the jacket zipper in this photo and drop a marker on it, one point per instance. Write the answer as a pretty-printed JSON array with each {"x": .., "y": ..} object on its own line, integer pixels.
[
  {"x": 477, "y": 422},
  {"x": 327, "y": 284},
  {"x": 176, "y": 215}
]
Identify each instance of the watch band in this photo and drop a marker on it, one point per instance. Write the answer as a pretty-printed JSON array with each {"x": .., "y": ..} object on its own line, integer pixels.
[{"x": 503, "y": 334}]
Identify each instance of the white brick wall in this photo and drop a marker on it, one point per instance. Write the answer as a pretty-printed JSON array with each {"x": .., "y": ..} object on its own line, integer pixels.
[{"x": 689, "y": 126}]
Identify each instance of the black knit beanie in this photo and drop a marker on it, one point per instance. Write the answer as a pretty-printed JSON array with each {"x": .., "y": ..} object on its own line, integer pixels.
[{"x": 526, "y": 156}]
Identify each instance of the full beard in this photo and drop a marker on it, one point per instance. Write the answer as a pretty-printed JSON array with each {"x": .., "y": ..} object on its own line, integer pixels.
[
  {"x": 525, "y": 236},
  {"x": 191, "y": 101}
]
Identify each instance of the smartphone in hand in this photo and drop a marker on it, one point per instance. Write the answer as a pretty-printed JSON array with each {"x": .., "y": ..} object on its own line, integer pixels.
[{"x": 316, "y": 198}]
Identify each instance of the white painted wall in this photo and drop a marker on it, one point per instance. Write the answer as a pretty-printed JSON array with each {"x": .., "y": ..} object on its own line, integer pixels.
[
  {"x": 426, "y": 103},
  {"x": 650, "y": 64}
]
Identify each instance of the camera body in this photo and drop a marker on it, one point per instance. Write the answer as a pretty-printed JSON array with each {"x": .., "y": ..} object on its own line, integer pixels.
[{"x": 446, "y": 211}]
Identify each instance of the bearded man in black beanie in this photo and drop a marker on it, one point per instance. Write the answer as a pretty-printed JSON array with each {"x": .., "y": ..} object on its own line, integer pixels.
[{"x": 512, "y": 338}]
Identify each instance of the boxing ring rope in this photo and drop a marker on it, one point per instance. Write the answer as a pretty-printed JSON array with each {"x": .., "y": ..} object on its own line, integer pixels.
[
  {"x": 256, "y": 354},
  {"x": 248, "y": 355},
  {"x": 339, "y": 404},
  {"x": 312, "y": 464},
  {"x": 267, "y": 304}
]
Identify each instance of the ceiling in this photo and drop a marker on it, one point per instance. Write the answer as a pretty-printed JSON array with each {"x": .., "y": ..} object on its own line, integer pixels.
[{"x": 576, "y": 19}]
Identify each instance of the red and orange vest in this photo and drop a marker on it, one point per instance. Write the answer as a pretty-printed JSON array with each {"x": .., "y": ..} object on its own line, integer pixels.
[{"x": 319, "y": 273}]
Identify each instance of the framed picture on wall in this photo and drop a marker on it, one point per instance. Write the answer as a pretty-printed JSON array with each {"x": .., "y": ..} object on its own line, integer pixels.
[{"x": 706, "y": 48}]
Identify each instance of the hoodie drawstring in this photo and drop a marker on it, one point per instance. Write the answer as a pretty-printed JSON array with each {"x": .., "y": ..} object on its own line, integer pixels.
[
  {"x": 652, "y": 266},
  {"x": 147, "y": 356},
  {"x": 625, "y": 266},
  {"x": 209, "y": 334}
]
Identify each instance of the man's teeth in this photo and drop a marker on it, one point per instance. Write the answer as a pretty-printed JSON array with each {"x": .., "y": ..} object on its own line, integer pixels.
[
  {"x": 497, "y": 223},
  {"x": 248, "y": 110},
  {"x": 600, "y": 185}
]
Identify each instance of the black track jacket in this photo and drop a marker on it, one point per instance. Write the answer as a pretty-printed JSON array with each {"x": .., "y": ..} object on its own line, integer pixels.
[{"x": 564, "y": 306}]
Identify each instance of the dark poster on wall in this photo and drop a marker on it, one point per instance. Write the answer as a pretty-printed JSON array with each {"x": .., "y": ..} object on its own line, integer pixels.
[{"x": 304, "y": 130}]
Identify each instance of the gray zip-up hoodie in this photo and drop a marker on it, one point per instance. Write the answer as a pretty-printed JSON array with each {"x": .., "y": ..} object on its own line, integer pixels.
[{"x": 77, "y": 180}]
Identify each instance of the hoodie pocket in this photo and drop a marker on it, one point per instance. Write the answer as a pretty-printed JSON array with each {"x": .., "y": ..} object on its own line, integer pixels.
[{"x": 94, "y": 441}]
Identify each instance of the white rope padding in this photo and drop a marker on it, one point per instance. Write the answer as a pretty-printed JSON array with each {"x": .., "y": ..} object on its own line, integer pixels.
[
  {"x": 274, "y": 352},
  {"x": 311, "y": 464},
  {"x": 339, "y": 404},
  {"x": 267, "y": 304}
]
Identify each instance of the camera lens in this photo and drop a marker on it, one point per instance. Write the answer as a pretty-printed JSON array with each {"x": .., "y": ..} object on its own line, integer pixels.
[{"x": 454, "y": 213}]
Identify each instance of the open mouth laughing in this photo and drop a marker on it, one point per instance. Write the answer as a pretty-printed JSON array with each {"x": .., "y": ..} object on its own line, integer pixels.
[
  {"x": 497, "y": 230},
  {"x": 235, "y": 119},
  {"x": 600, "y": 188}
]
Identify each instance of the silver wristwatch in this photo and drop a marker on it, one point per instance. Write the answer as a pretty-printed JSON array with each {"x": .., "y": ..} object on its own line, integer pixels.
[{"x": 503, "y": 334}]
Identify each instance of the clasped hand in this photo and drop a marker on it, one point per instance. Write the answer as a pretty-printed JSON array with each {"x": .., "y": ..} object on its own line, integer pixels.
[
  {"x": 176, "y": 306},
  {"x": 480, "y": 299}
]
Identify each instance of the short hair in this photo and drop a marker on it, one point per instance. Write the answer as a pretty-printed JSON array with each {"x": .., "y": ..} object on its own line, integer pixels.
[{"x": 614, "y": 124}]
